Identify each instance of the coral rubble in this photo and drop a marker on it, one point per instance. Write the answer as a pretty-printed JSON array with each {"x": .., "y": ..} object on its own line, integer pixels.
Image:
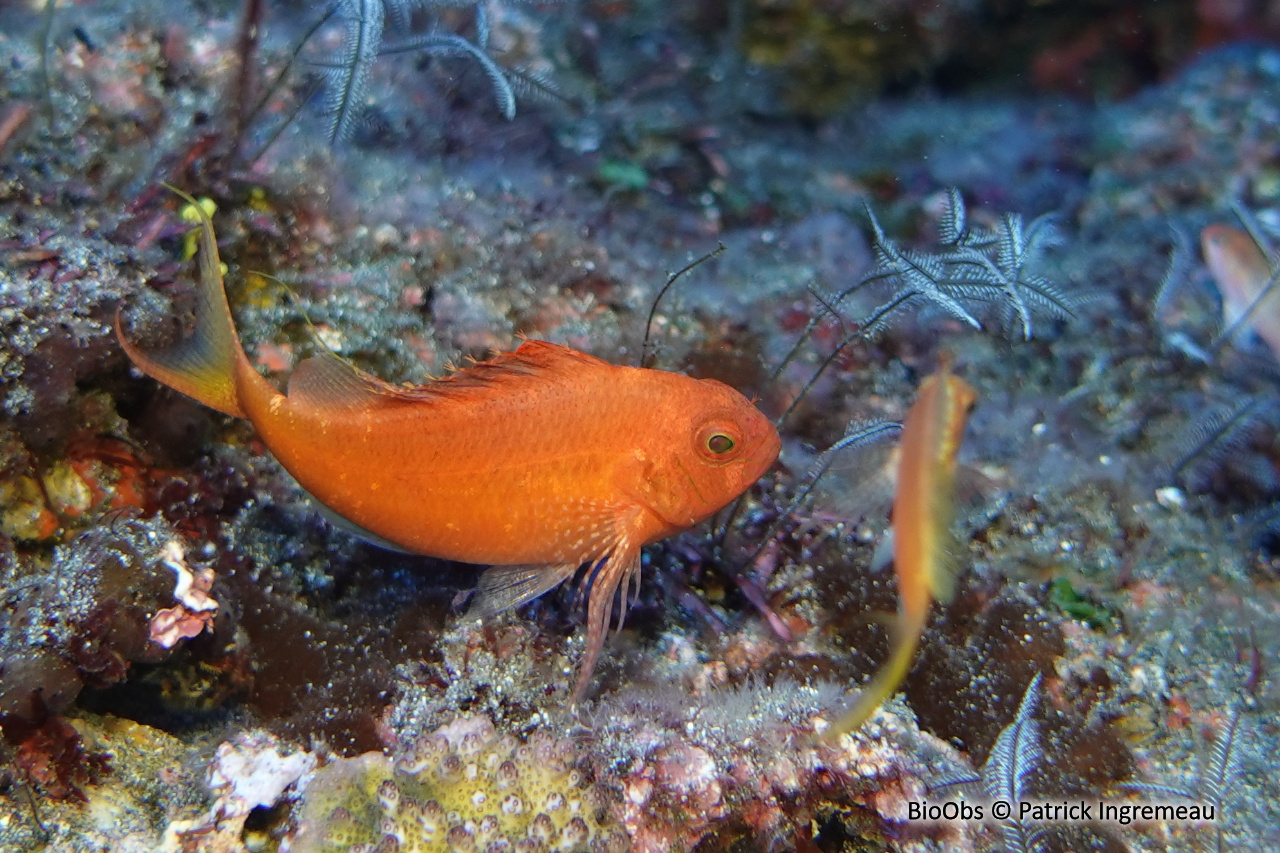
[{"x": 460, "y": 787}]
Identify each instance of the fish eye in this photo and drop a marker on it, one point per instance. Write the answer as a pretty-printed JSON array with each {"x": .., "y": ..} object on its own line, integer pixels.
[
  {"x": 720, "y": 444},
  {"x": 718, "y": 440}
]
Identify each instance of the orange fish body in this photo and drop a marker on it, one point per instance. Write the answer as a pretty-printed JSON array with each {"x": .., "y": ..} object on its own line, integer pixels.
[
  {"x": 922, "y": 512},
  {"x": 1242, "y": 272},
  {"x": 535, "y": 462}
]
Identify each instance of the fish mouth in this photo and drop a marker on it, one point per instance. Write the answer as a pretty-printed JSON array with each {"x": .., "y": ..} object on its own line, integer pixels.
[{"x": 754, "y": 466}]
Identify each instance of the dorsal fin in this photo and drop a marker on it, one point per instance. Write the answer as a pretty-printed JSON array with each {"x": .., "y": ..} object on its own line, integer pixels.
[
  {"x": 531, "y": 361},
  {"x": 327, "y": 380}
]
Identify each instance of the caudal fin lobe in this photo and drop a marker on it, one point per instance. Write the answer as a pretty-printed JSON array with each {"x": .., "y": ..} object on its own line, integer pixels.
[
  {"x": 203, "y": 366},
  {"x": 906, "y": 638}
]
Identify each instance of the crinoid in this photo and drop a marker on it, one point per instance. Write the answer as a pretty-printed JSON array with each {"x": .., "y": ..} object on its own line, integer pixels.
[
  {"x": 858, "y": 436},
  {"x": 1219, "y": 776},
  {"x": 1223, "y": 435},
  {"x": 347, "y": 72},
  {"x": 1014, "y": 759},
  {"x": 978, "y": 267},
  {"x": 979, "y": 276}
]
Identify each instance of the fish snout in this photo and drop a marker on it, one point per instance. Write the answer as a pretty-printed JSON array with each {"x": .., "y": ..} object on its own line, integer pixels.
[{"x": 765, "y": 444}]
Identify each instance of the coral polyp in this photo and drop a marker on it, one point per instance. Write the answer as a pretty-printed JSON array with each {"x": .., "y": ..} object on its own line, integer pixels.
[{"x": 462, "y": 787}]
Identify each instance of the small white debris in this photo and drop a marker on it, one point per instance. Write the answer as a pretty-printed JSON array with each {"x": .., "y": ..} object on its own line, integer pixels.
[{"x": 386, "y": 235}]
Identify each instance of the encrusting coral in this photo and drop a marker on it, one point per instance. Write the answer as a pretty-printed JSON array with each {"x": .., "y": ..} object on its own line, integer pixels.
[{"x": 461, "y": 787}]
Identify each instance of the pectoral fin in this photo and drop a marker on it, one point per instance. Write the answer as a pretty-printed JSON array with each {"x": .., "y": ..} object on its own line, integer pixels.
[{"x": 619, "y": 570}]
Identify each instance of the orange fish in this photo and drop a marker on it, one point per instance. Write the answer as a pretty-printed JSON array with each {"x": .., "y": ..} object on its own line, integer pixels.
[
  {"x": 922, "y": 511},
  {"x": 536, "y": 462},
  {"x": 1242, "y": 273}
]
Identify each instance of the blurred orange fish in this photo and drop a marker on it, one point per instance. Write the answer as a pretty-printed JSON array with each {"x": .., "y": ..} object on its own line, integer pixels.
[
  {"x": 922, "y": 511},
  {"x": 536, "y": 462},
  {"x": 1242, "y": 273}
]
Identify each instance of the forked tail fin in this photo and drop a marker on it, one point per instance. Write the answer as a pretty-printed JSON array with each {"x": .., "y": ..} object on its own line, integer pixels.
[{"x": 205, "y": 365}]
